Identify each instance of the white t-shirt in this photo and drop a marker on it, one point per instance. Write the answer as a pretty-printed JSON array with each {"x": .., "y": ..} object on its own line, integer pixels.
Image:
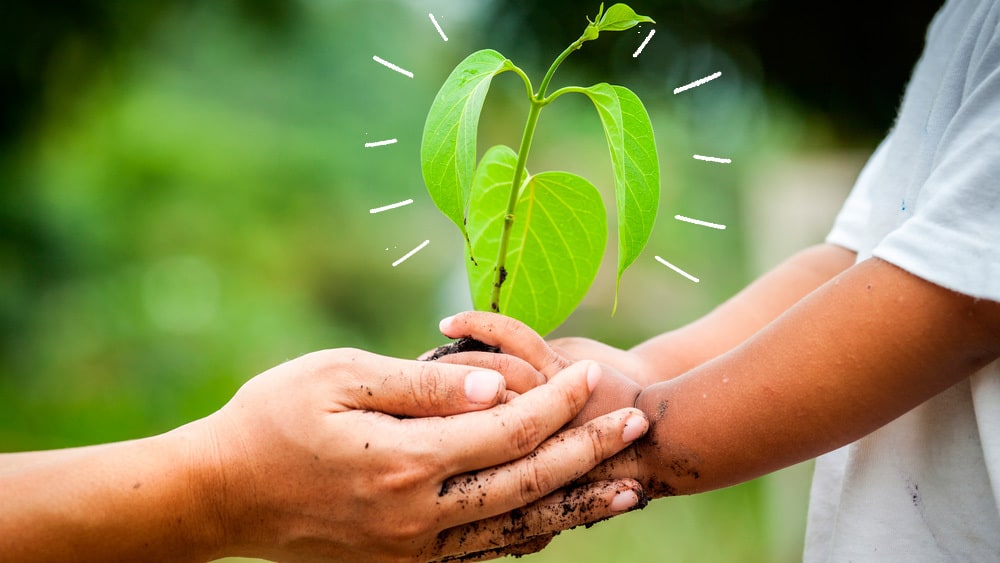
[{"x": 926, "y": 487}]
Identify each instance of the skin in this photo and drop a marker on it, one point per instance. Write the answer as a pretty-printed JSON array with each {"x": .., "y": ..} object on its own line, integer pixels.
[
  {"x": 319, "y": 459},
  {"x": 814, "y": 355}
]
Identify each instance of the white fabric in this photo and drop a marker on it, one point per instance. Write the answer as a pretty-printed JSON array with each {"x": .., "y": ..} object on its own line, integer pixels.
[{"x": 926, "y": 487}]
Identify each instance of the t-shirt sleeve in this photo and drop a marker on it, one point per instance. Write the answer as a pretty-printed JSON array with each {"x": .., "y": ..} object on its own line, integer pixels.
[
  {"x": 953, "y": 237},
  {"x": 849, "y": 227}
]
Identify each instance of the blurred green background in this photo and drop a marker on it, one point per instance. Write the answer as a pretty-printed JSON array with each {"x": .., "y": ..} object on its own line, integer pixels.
[{"x": 185, "y": 198}]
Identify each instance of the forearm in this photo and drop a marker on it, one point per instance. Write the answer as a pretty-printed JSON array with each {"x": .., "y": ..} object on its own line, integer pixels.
[
  {"x": 735, "y": 320},
  {"x": 856, "y": 354},
  {"x": 13, "y": 462},
  {"x": 129, "y": 501}
]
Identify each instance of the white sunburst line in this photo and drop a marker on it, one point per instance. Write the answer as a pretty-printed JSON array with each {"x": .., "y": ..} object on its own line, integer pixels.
[
  {"x": 381, "y": 143},
  {"x": 438, "y": 27},
  {"x": 698, "y": 82},
  {"x": 713, "y": 159},
  {"x": 700, "y": 222},
  {"x": 396, "y": 205},
  {"x": 411, "y": 253},
  {"x": 638, "y": 51},
  {"x": 391, "y": 66},
  {"x": 676, "y": 269}
]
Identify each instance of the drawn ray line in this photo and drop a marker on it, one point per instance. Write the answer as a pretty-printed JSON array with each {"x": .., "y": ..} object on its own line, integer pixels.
[
  {"x": 381, "y": 143},
  {"x": 676, "y": 269},
  {"x": 389, "y": 65},
  {"x": 438, "y": 27},
  {"x": 411, "y": 253},
  {"x": 713, "y": 159},
  {"x": 700, "y": 222},
  {"x": 390, "y": 206},
  {"x": 698, "y": 82},
  {"x": 638, "y": 51}
]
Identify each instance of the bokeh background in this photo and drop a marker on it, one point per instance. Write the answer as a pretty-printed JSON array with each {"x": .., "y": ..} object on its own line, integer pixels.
[{"x": 185, "y": 195}]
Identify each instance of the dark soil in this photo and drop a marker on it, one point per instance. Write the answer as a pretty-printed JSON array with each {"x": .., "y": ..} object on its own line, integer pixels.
[{"x": 464, "y": 344}]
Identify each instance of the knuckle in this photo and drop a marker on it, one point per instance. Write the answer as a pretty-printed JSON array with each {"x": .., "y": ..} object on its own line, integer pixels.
[
  {"x": 560, "y": 361},
  {"x": 411, "y": 472},
  {"x": 536, "y": 480},
  {"x": 596, "y": 436},
  {"x": 425, "y": 386},
  {"x": 525, "y": 434},
  {"x": 321, "y": 362},
  {"x": 512, "y": 327},
  {"x": 502, "y": 363},
  {"x": 573, "y": 400},
  {"x": 406, "y": 531},
  {"x": 332, "y": 356}
]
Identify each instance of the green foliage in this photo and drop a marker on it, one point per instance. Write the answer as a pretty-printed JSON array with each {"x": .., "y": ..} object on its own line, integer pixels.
[
  {"x": 448, "y": 148},
  {"x": 620, "y": 18},
  {"x": 637, "y": 172},
  {"x": 541, "y": 229},
  {"x": 555, "y": 248}
]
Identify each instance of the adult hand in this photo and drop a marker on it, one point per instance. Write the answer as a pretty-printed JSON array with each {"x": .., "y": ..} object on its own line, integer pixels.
[{"x": 314, "y": 461}]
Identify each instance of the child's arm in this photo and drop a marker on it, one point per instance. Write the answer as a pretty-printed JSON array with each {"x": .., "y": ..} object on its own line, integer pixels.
[
  {"x": 738, "y": 318},
  {"x": 861, "y": 350},
  {"x": 675, "y": 352}
]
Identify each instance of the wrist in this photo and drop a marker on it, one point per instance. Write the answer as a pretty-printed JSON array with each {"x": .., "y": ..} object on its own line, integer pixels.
[
  {"x": 663, "y": 474},
  {"x": 211, "y": 499}
]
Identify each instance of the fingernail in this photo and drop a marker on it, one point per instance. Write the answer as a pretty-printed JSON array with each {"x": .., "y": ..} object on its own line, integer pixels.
[
  {"x": 445, "y": 324},
  {"x": 594, "y": 374},
  {"x": 635, "y": 426},
  {"x": 623, "y": 501},
  {"x": 483, "y": 387}
]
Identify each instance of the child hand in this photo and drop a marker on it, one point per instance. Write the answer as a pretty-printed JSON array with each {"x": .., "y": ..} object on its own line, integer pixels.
[{"x": 521, "y": 346}]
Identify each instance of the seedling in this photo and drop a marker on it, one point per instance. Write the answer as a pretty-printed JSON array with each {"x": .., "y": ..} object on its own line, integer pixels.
[{"x": 534, "y": 242}]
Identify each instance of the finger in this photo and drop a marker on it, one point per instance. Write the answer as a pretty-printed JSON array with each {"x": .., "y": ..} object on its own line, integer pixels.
[
  {"x": 512, "y": 430},
  {"x": 419, "y": 389},
  {"x": 521, "y": 377},
  {"x": 511, "y": 336},
  {"x": 558, "y": 461},
  {"x": 526, "y": 530},
  {"x": 628, "y": 463},
  {"x": 533, "y": 545}
]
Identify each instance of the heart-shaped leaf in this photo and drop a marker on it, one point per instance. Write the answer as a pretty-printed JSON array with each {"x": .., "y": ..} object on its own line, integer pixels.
[
  {"x": 556, "y": 243},
  {"x": 448, "y": 147},
  {"x": 636, "y": 167}
]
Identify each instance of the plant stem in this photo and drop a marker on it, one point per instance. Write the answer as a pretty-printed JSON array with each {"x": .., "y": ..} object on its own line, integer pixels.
[
  {"x": 500, "y": 273},
  {"x": 555, "y": 64},
  {"x": 538, "y": 101}
]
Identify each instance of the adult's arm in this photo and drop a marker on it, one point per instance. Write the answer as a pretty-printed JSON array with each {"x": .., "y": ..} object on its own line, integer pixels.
[{"x": 318, "y": 459}]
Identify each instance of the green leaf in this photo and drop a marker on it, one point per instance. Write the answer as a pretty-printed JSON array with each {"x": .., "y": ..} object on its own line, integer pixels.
[
  {"x": 620, "y": 17},
  {"x": 556, "y": 244},
  {"x": 636, "y": 167},
  {"x": 448, "y": 147}
]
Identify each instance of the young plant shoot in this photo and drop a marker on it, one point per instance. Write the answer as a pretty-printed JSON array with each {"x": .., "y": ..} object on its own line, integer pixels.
[{"x": 535, "y": 241}]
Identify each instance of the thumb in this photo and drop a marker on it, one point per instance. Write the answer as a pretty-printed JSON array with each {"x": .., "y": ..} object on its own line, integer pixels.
[{"x": 420, "y": 389}]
